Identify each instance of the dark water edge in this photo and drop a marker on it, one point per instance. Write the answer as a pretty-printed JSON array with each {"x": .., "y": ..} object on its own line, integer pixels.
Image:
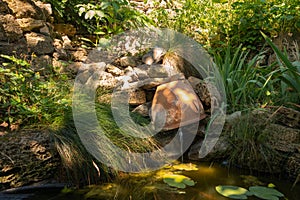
[{"x": 206, "y": 177}]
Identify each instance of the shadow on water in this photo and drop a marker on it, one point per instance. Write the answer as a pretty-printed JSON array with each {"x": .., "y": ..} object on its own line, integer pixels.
[{"x": 150, "y": 185}]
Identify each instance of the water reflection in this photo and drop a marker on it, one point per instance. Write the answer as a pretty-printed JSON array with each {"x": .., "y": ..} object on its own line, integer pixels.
[{"x": 151, "y": 186}]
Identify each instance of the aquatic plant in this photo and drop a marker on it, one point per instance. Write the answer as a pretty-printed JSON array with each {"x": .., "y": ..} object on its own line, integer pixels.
[
  {"x": 178, "y": 181},
  {"x": 235, "y": 192},
  {"x": 265, "y": 192}
]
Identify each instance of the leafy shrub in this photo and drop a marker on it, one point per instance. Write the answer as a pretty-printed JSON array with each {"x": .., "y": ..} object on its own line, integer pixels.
[
  {"x": 111, "y": 17},
  {"x": 246, "y": 82},
  {"x": 65, "y": 11},
  {"x": 288, "y": 75},
  {"x": 99, "y": 17},
  {"x": 250, "y": 84},
  {"x": 25, "y": 98},
  {"x": 272, "y": 17},
  {"x": 219, "y": 23}
]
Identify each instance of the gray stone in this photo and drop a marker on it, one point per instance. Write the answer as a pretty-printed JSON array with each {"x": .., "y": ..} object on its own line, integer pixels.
[
  {"x": 170, "y": 69},
  {"x": 154, "y": 82},
  {"x": 60, "y": 53},
  {"x": 72, "y": 68},
  {"x": 45, "y": 30},
  {"x": 158, "y": 71},
  {"x": 17, "y": 48},
  {"x": 127, "y": 61},
  {"x": 96, "y": 67},
  {"x": 114, "y": 70},
  {"x": 10, "y": 30},
  {"x": 67, "y": 43},
  {"x": 39, "y": 43},
  {"x": 148, "y": 58},
  {"x": 81, "y": 55},
  {"x": 97, "y": 55},
  {"x": 140, "y": 73},
  {"x": 177, "y": 63},
  {"x": 29, "y": 24},
  {"x": 25, "y": 9},
  {"x": 130, "y": 82},
  {"x": 83, "y": 76},
  {"x": 143, "y": 109},
  {"x": 45, "y": 7},
  {"x": 107, "y": 80},
  {"x": 154, "y": 56},
  {"x": 137, "y": 97},
  {"x": 158, "y": 54},
  {"x": 43, "y": 65}
]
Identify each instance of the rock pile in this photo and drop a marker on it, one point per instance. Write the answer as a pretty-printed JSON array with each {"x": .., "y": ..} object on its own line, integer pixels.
[{"x": 156, "y": 88}]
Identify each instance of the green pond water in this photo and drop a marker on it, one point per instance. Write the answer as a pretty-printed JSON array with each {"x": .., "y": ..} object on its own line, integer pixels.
[{"x": 148, "y": 186}]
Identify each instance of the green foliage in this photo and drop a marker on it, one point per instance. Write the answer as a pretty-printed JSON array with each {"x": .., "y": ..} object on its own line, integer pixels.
[
  {"x": 111, "y": 17},
  {"x": 80, "y": 167},
  {"x": 288, "y": 73},
  {"x": 266, "y": 192},
  {"x": 272, "y": 17},
  {"x": 249, "y": 143},
  {"x": 218, "y": 23},
  {"x": 246, "y": 82},
  {"x": 101, "y": 18},
  {"x": 119, "y": 136},
  {"x": 26, "y": 98},
  {"x": 249, "y": 84},
  {"x": 65, "y": 11}
]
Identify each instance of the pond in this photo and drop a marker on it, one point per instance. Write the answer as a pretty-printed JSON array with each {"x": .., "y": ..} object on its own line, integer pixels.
[{"x": 152, "y": 185}]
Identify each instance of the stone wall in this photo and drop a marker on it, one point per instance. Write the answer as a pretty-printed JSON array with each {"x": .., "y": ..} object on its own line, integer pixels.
[{"x": 27, "y": 31}]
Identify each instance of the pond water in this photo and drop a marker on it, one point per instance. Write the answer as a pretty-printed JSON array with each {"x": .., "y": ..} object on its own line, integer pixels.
[{"x": 150, "y": 186}]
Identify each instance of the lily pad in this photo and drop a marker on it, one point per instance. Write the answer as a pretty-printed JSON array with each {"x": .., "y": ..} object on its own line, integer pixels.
[
  {"x": 178, "y": 181},
  {"x": 185, "y": 167},
  {"x": 266, "y": 192},
  {"x": 233, "y": 192}
]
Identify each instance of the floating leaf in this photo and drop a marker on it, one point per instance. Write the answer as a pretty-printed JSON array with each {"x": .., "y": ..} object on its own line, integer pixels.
[
  {"x": 185, "y": 166},
  {"x": 266, "y": 192},
  {"x": 179, "y": 181},
  {"x": 173, "y": 183},
  {"x": 189, "y": 182},
  {"x": 233, "y": 192}
]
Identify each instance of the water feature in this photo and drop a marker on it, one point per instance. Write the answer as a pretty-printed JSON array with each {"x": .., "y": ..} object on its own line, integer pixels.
[{"x": 152, "y": 186}]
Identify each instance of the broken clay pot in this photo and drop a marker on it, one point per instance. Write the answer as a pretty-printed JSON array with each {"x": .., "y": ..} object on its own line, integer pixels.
[{"x": 175, "y": 104}]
